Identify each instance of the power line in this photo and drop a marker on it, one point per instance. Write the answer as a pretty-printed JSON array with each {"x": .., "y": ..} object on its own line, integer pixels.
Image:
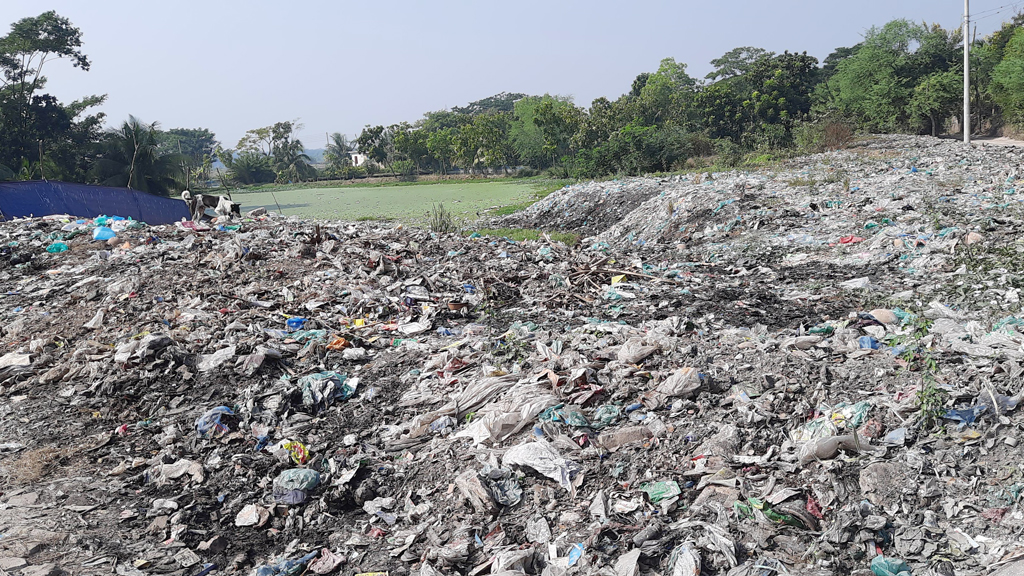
[
  {"x": 1015, "y": 6},
  {"x": 985, "y": 14},
  {"x": 996, "y": 9}
]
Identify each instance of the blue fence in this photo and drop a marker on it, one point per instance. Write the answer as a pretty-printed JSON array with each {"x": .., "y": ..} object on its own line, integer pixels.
[{"x": 37, "y": 198}]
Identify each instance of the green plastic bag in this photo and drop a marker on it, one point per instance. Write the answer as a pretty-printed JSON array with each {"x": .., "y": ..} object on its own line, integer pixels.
[
  {"x": 297, "y": 479},
  {"x": 321, "y": 390},
  {"x": 883, "y": 566},
  {"x": 605, "y": 416},
  {"x": 658, "y": 491}
]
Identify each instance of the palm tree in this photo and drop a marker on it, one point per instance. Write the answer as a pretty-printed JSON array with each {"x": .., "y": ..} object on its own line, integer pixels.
[
  {"x": 338, "y": 153},
  {"x": 250, "y": 168},
  {"x": 292, "y": 164},
  {"x": 128, "y": 158}
]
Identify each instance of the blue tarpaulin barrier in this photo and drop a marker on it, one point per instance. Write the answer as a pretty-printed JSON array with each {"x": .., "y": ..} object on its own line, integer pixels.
[{"x": 38, "y": 198}]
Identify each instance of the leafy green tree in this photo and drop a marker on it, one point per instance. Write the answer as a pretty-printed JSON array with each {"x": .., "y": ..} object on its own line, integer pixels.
[
  {"x": 526, "y": 136},
  {"x": 667, "y": 94},
  {"x": 876, "y": 84},
  {"x": 196, "y": 143},
  {"x": 466, "y": 143},
  {"x": 938, "y": 96},
  {"x": 831, "y": 62},
  {"x": 1007, "y": 86},
  {"x": 268, "y": 139},
  {"x": 410, "y": 144},
  {"x": 375, "y": 142},
  {"x": 603, "y": 119},
  {"x": 781, "y": 88},
  {"x": 34, "y": 123},
  {"x": 256, "y": 141},
  {"x": 441, "y": 119},
  {"x": 636, "y": 149},
  {"x": 493, "y": 130},
  {"x": 197, "y": 146},
  {"x": 736, "y": 62},
  {"x": 638, "y": 84},
  {"x": 405, "y": 168},
  {"x": 130, "y": 157},
  {"x": 558, "y": 125},
  {"x": 284, "y": 153},
  {"x": 441, "y": 145},
  {"x": 720, "y": 111},
  {"x": 503, "y": 102}
]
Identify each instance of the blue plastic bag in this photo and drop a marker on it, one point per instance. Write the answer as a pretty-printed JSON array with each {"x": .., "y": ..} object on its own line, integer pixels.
[
  {"x": 867, "y": 342},
  {"x": 210, "y": 423},
  {"x": 287, "y": 567},
  {"x": 103, "y": 233},
  {"x": 965, "y": 416}
]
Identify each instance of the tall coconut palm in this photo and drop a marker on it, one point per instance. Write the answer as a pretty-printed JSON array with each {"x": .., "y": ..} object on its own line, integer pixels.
[
  {"x": 292, "y": 164},
  {"x": 338, "y": 153},
  {"x": 128, "y": 157}
]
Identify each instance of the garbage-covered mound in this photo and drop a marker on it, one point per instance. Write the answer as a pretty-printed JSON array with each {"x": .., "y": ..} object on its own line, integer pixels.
[
  {"x": 279, "y": 397},
  {"x": 586, "y": 209},
  {"x": 805, "y": 203}
]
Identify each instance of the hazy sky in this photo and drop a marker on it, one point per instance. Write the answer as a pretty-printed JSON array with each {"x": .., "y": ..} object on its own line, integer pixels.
[{"x": 339, "y": 65}]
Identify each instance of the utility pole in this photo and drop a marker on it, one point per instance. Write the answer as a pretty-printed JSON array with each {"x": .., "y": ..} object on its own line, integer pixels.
[
  {"x": 42, "y": 174},
  {"x": 967, "y": 72}
]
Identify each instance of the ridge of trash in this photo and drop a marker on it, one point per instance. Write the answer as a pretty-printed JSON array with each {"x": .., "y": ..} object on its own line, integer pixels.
[{"x": 812, "y": 369}]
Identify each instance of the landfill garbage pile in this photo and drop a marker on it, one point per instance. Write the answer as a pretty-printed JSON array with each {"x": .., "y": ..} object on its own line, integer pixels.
[
  {"x": 589, "y": 208},
  {"x": 276, "y": 397}
]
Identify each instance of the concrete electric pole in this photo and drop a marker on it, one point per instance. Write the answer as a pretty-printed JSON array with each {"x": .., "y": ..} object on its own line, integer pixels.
[{"x": 967, "y": 72}]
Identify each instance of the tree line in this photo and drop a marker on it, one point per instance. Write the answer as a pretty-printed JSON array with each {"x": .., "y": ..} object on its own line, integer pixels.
[{"x": 903, "y": 77}]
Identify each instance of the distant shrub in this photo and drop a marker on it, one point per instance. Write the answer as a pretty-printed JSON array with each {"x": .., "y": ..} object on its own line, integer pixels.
[
  {"x": 558, "y": 171},
  {"x": 525, "y": 173},
  {"x": 822, "y": 135},
  {"x": 700, "y": 145},
  {"x": 766, "y": 137},
  {"x": 342, "y": 172},
  {"x": 729, "y": 153},
  {"x": 351, "y": 172},
  {"x": 404, "y": 167},
  {"x": 836, "y": 135}
]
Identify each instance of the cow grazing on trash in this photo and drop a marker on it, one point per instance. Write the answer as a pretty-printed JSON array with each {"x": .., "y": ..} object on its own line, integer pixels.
[{"x": 222, "y": 205}]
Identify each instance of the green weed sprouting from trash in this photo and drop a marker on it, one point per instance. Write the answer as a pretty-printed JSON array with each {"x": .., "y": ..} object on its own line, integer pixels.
[
  {"x": 797, "y": 182},
  {"x": 836, "y": 177},
  {"x": 511, "y": 349},
  {"x": 441, "y": 220},
  {"x": 931, "y": 401},
  {"x": 922, "y": 327}
]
